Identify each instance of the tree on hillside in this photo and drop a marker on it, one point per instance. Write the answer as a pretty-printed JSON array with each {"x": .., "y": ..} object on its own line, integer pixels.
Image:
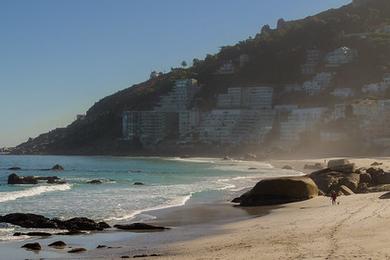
[{"x": 184, "y": 64}]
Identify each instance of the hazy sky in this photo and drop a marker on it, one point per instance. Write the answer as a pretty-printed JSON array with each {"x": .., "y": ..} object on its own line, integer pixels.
[{"x": 59, "y": 57}]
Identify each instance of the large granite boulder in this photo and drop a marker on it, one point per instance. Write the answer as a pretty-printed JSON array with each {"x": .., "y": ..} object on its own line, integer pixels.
[
  {"x": 279, "y": 191},
  {"x": 28, "y": 220},
  {"x": 32, "y": 246},
  {"x": 15, "y": 179},
  {"x": 328, "y": 180},
  {"x": 341, "y": 165}
]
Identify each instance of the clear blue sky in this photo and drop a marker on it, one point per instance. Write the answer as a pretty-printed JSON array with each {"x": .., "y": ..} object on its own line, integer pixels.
[{"x": 59, "y": 57}]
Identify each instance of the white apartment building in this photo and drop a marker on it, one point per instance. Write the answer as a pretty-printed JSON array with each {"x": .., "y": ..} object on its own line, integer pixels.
[
  {"x": 226, "y": 68},
  {"x": 343, "y": 92},
  {"x": 251, "y": 98},
  {"x": 313, "y": 58},
  {"x": 340, "y": 56},
  {"x": 298, "y": 122},
  {"x": 375, "y": 88},
  {"x": 180, "y": 97},
  {"x": 319, "y": 82},
  {"x": 188, "y": 124},
  {"x": 149, "y": 127},
  {"x": 235, "y": 126},
  {"x": 339, "y": 111}
]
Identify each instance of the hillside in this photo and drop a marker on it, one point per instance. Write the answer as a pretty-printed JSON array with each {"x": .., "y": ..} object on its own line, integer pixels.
[{"x": 275, "y": 59}]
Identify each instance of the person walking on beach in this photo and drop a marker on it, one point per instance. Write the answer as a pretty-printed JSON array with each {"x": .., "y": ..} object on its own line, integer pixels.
[{"x": 333, "y": 196}]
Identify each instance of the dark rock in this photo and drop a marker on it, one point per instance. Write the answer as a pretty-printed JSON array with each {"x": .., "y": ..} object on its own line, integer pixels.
[
  {"x": 71, "y": 233},
  {"x": 346, "y": 168},
  {"x": 379, "y": 176},
  {"x": 365, "y": 178},
  {"x": 101, "y": 246},
  {"x": 28, "y": 220},
  {"x": 376, "y": 164},
  {"x": 385, "y": 196},
  {"x": 32, "y": 246},
  {"x": 139, "y": 227},
  {"x": 125, "y": 256},
  {"x": 337, "y": 162},
  {"x": 252, "y": 168},
  {"x": 287, "y": 167},
  {"x": 279, "y": 191},
  {"x": 95, "y": 182},
  {"x": 15, "y": 179},
  {"x": 103, "y": 225},
  {"x": 77, "y": 250},
  {"x": 79, "y": 224},
  {"x": 328, "y": 180},
  {"x": 379, "y": 188},
  {"x": 58, "y": 244},
  {"x": 138, "y": 183},
  {"x": 14, "y": 169},
  {"x": 140, "y": 256},
  {"x": 33, "y": 234},
  {"x": 57, "y": 167}
]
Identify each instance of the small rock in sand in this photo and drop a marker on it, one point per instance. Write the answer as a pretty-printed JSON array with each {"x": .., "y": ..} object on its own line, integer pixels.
[
  {"x": 77, "y": 250},
  {"x": 58, "y": 244},
  {"x": 32, "y": 246}
]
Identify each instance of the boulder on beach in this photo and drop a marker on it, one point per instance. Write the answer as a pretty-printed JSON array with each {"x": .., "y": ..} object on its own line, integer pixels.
[
  {"x": 81, "y": 224},
  {"x": 57, "y": 167},
  {"x": 58, "y": 244},
  {"x": 32, "y": 246},
  {"x": 279, "y": 191},
  {"x": 287, "y": 167},
  {"x": 385, "y": 196},
  {"x": 328, "y": 180},
  {"x": 376, "y": 164},
  {"x": 139, "y": 227},
  {"x": 379, "y": 176},
  {"x": 138, "y": 183}
]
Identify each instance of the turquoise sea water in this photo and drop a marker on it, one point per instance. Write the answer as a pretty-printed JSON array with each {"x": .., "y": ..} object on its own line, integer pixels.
[{"x": 168, "y": 182}]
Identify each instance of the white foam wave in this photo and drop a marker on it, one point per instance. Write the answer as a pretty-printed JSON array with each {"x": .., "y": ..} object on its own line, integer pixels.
[
  {"x": 35, "y": 191},
  {"x": 175, "y": 203}
]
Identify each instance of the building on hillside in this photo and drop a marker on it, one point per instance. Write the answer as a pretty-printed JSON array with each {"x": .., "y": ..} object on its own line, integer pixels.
[
  {"x": 189, "y": 122},
  {"x": 386, "y": 79},
  {"x": 319, "y": 82},
  {"x": 149, "y": 127},
  {"x": 339, "y": 111},
  {"x": 313, "y": 58},
  {"x": 375, "y": 88},
  {"x": 250, "y": 98},
  {"x": 298, "y": 122},
  {"x": 340, "y": 56},
  {"x": 226, "y": 68},
  {"x": 235, "y": 126},
  {"x": 343, "y": 92},
  {"x": 244, "y": 59},
  {"x": 180, "y": 97},
  {"x": 293, "y": 88}
]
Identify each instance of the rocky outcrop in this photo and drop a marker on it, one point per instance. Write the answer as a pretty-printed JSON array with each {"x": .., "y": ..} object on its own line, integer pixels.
[
  {"x": 15, "y": 179},
  {"x": 139, "y": 227},
  {"x": 95, "y": 182},
  {"x": 57, "y": 167},
  {"x": 32, "y": 246},
  {"x": 328, "y": 180},
  {"x": 28, "y": 220},
  {"x": 38, "y": 221},
  {"x": 279, "y": 191}
]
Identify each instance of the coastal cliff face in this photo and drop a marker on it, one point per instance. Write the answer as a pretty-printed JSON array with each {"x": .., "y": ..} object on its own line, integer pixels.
[{"x": 275, "y": 58}]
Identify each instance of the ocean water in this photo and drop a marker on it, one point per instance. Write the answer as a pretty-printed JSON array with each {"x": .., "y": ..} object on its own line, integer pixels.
[{"x": 168, "y": 182}]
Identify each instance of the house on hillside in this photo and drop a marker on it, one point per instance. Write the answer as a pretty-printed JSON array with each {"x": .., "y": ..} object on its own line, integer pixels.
[{"x": 340, "y": 56}]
